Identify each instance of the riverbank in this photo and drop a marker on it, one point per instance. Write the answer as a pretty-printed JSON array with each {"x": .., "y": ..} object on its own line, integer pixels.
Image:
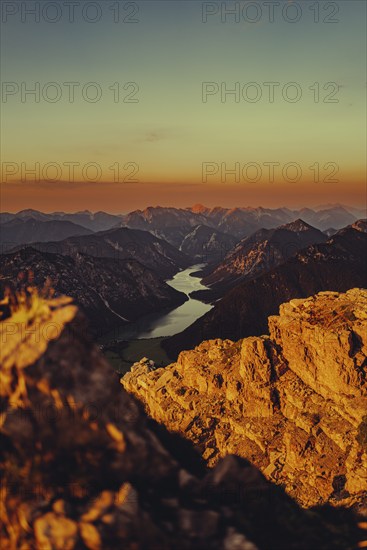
[
  {"x": 129, "y": 344},
  {"x": 122, "y": 355},
  {"x": 159, "y": 325}
]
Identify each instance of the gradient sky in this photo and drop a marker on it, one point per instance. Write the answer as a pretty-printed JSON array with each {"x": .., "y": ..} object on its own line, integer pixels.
[{"x": 170, "y": 132}]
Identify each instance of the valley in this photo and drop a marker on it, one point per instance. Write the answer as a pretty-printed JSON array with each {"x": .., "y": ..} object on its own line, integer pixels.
[
  {"x": 183, "y": 275},
  {"x": 129, "y": 344}
]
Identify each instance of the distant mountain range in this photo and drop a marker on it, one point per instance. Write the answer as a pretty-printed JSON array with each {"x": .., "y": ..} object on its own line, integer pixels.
[
  {"x": 24, "y": 231},
  {"x": 175, "y": 224},
  {"x": 98, "y": 221},
  {"x": 336, "y": 217},
  {"x": 111, "y": 293},
  {"x": 172, "y": 223},
  {"x": 338, "y": 264},
  {"x": 122, "y": 244}
]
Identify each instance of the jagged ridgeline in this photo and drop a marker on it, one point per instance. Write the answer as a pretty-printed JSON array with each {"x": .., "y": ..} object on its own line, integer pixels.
[{"x": 83, "y": 466}]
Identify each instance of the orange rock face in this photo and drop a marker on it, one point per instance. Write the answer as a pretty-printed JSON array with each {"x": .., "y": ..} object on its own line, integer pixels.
[
  {"x": 293, "y": 403},
  {"x": 83, "y": 467}
]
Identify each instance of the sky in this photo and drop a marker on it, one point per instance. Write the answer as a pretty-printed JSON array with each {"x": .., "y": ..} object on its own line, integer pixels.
[{"x": 178, "y": 102}]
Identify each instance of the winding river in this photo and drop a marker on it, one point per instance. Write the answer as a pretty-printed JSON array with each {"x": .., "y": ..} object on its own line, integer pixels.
[{"x": 176, "y": 320}]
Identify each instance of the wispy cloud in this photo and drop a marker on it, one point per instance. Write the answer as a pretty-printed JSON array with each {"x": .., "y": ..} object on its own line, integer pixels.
[{"x": 152, "y": 136}]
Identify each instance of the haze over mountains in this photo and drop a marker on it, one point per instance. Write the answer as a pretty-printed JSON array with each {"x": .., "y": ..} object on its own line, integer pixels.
[
  {"x": 28, "y": 230},
  {"x": 173, "y": 224},
  {"x": 98, "y": 221},
  {"x": 170, "y": 223},
  {"x": 116, "y": 265}
]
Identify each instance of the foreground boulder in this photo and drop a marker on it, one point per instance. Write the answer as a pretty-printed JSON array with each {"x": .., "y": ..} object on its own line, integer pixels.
[
  {"x": 82, "y": 466},
  {"x": 293, "y": 403}
]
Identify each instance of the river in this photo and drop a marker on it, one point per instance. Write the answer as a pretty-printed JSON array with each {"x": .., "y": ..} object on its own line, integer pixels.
[{"x": 176, "y": 320}]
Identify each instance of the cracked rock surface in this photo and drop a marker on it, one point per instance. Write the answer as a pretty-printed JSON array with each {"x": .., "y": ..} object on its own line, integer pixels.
[{"x": 293, "y": 403}]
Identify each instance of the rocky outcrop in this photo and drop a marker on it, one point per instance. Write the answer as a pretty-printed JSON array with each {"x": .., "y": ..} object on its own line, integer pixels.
[
  {"x": 82, "y": 467},
  {"x": 292, "y": 403}
]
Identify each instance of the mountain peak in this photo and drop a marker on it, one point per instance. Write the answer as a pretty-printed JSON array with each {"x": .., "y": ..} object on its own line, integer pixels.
[
  {"x": 298, "y": 225},
  {"x": 199, "y": 208},
  {"x": 360, "y": 225},
  {"x": 86, "y": 212}
]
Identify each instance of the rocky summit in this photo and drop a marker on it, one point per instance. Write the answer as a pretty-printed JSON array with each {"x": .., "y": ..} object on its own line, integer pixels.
[
  {"x": 83, "y": 467},
  {"x": 293, "y": 403}
]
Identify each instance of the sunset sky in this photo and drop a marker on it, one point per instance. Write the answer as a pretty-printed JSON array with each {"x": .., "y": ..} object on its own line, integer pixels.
[{"x": 174, "y": 142}]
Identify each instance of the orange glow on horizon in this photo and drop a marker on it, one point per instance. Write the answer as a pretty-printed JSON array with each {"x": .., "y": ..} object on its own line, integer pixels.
[{"x": 125, "y": 197}]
